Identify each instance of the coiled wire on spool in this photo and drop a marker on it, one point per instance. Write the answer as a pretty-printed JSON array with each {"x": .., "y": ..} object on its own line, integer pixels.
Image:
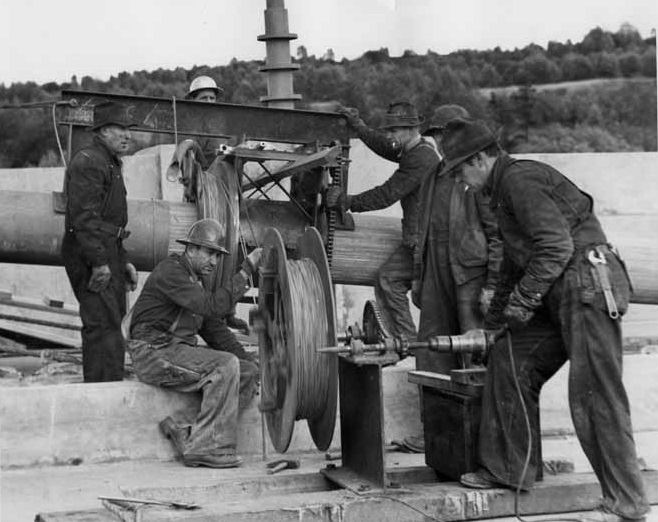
[
  {"x": 309, "y": 318},
  {"x": 297, "y": 315}
]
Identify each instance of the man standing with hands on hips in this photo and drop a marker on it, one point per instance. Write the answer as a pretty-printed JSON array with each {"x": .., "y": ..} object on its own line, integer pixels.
[{"x": 92, "y": 248}]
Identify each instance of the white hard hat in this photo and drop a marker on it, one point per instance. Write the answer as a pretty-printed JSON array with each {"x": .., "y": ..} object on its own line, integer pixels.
[{"x": 200, "y": 83}]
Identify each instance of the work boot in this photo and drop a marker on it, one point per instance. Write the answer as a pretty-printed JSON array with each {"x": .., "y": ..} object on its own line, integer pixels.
[
  {"x": 415, "y": 443},
  {"x": 480, "y": 479},
  {"x": 227, "y": 460},
  {"x": 175, "y": 433}
]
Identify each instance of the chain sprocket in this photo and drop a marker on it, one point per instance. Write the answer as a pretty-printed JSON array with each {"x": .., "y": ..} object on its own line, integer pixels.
[{"x": 374, "y": 326}]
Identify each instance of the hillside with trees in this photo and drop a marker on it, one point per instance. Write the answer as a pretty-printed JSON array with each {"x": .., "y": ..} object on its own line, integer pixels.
[{"x": 617, "y": 112}]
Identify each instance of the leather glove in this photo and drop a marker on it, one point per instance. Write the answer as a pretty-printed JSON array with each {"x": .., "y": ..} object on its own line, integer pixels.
[
  {"x": 486, "y": 295},
  {"x": 100, "y": 278},
  {"x": 519, "y": 310},
  {"x": 233, "y": 321},
  {"x": 337, "y": 199},
  {"x": 131, "y": 277},
  {"x": 351, "y": 115},
  {"x": 253, "y": 261},
  {"x": 517, "y": 317},
  {"x": 416, "y": 292}
]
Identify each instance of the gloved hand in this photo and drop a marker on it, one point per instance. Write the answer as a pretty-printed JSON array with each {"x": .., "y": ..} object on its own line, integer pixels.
[
  {"x": 131, "y": 277},
  {"x": 416, "y": 292},
  {"x": 351, "y": 115},
  {"x": 337, "y": 199},
  {"x": 520, "y": 309},
  {"x": 233, "y": 321},
  {"x": 486, "y": 295},
  {"x": 253, "y": 261},
  {"x": 100, "y": 278}
]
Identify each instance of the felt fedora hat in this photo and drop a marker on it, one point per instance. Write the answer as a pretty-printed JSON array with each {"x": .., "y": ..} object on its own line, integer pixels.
[
  {"x": 463, "y": 138},
  {"x": 401, "y": 114},
  {"x": 111, "y": 113}
]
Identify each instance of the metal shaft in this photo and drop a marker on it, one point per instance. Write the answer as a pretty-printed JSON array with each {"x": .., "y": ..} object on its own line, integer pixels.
[{"x": 473, "y": 341}]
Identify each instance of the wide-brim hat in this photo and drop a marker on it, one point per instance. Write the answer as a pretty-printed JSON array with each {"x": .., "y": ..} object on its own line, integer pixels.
[
  {"x": 463, "y": 138},
  {"x": 400, "y": 115},
  {"x": 200, "y": 242},
  {"x": 442, "y": 115},
  {"x": 112, "y": 113}
]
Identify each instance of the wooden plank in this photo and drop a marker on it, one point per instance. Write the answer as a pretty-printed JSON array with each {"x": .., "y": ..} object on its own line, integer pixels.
[
  {"x": 91, "y": 515},
  {"x": 448, "y": 502},
  {"x": 442, "y": 381},
  {"x": 48, "y": 304}
]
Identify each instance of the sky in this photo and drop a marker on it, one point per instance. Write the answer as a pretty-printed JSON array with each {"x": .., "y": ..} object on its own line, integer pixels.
[{"x": 46, "y": 40}]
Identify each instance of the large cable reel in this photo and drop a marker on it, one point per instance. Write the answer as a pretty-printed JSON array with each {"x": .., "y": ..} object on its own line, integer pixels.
[{"x": 296, "y": 315}]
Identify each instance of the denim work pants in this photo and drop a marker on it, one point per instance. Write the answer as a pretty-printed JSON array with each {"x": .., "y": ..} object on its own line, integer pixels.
[
  {"x": 391, "y": 288},
  {"x": 187, "y": 368},
  {"x": 103, "y": 346},
  {"x": 446, "y": 308},
  {"x": 573, "y": 324}
]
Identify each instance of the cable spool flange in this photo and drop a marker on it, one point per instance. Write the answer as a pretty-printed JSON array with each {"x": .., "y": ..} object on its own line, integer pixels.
[{"x": 297, "y": 313}]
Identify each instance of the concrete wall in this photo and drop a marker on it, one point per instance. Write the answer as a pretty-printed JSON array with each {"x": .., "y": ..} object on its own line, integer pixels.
[{"x": 107, "y": 422}]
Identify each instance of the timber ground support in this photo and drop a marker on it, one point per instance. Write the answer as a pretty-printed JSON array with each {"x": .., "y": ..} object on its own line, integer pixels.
[{"x": 306, "y": 496}]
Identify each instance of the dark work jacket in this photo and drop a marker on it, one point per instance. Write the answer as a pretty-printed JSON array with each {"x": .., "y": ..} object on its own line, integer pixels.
[
  {"x": 474, "y": 243},
  {"x": 173, "y": 286},
  {"x": 416, "y": 162},
  {"x": 543, "y": 218},
  {"x": 96, "y": 206}
]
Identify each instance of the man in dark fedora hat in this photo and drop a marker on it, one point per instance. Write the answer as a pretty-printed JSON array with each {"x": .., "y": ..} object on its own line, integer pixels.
[
  {"x": 174, "y": 306},
  {"x": 561, "y": 294},
  {"x": 92, "y": 248},
  {"x": 399, "y": 140}
]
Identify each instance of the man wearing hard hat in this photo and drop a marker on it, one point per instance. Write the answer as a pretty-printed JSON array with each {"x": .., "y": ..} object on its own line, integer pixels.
[
  {"x": 173, "y": 308},
  {"x": 204, "y": 89}
]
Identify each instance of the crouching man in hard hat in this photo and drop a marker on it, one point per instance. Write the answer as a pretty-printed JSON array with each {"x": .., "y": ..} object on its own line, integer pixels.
[{"x": 166, "y": 319}]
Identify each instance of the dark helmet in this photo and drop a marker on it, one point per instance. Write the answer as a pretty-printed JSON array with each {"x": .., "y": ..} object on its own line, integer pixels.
[
  {"x": 206, "y": 233},
  {"x": 442, "y": 115},
  {"x": 401, "y": 114}
]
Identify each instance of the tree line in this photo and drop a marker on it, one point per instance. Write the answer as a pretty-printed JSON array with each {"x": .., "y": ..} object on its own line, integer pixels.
[{"x": 600, "y": 117}]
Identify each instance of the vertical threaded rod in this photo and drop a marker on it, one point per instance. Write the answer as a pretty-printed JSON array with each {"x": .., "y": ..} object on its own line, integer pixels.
[{"x": 278, "y": 65}]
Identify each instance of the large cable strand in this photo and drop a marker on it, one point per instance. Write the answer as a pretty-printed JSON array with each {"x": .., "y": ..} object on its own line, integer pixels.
[{"x": 309, "y": 318}]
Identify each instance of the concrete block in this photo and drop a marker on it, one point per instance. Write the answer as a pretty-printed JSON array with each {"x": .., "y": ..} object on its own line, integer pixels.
[{"x": 105, "y": 422}]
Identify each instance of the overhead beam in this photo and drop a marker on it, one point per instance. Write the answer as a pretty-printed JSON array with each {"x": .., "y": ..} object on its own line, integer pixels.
[{"x": 168, "y": 116}]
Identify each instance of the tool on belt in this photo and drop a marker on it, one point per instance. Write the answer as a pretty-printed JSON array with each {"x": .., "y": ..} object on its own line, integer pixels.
[{"x": 601, "y": 271}]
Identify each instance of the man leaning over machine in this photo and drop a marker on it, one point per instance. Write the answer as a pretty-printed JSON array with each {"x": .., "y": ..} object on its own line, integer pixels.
[
  {"x": 417, "y": 158},
  {"x": 561, "y": 294},
  {"x": 169, "y": 313}
]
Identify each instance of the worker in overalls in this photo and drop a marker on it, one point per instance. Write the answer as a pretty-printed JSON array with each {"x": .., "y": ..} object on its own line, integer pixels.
[
  {"x": 456, "y": 261},
  {"x": 172, "y": 309},
  {"x": 562, "y": 292},
  {"x": 92, "y": 248}
]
